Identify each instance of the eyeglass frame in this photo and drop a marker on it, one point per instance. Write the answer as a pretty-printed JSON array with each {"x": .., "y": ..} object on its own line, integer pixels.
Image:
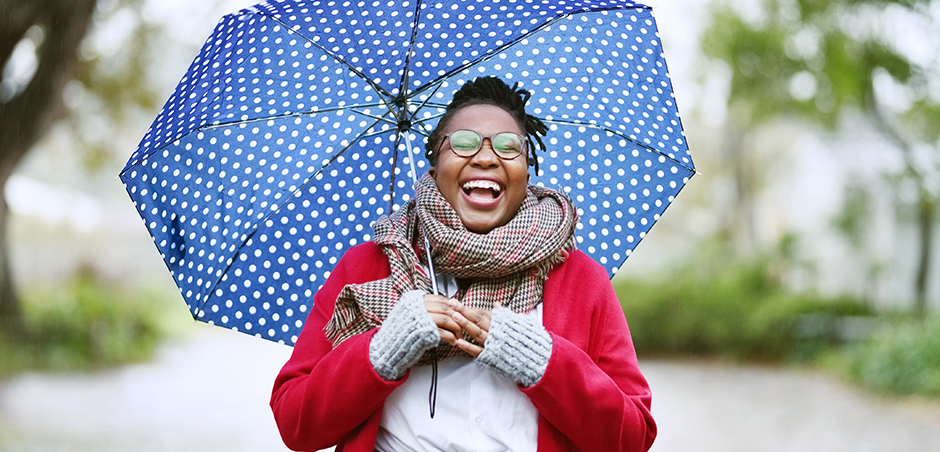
[{"x": 524, "y": 150}]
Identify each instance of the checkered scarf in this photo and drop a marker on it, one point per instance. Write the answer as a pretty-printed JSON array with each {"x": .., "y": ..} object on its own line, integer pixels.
[{"x": 508, "y": 265}]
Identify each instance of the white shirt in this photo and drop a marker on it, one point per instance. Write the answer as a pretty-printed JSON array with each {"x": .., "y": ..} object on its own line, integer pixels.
[{"x": 476, "y": 409}]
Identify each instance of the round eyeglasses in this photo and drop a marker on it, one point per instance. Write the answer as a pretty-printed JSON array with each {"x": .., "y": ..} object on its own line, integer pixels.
[{"x": 507, "y": 145}]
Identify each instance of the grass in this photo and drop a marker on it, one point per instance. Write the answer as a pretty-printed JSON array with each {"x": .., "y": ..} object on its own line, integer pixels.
[
  {"x": 740, "y": 312},
  {"x": 903, "y": 358},
  {"x": 87, "y": 324}
]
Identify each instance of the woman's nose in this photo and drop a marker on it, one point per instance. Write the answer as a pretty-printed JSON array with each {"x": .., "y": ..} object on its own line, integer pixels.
[{"x": 486, "y": 156}]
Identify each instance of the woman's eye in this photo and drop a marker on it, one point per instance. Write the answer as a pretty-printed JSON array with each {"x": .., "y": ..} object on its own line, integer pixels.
[
  {"x": 465, "y": 146},
  {"x": 507, "y": 144}
]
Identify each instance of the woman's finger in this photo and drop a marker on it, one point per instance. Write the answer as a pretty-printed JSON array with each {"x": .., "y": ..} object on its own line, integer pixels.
[
  {"x": 447, "y": 336},
  {"x": 471, "y": 349},
  {"x": 440, "y": 313},
  {"x": 479, "y": 317},
  {"x": 472, "y": 329},
  {"x": 446, "y": 322}
]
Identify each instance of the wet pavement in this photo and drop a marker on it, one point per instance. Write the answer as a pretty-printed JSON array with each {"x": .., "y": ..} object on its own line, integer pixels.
[{"x": 210, "y": 392}]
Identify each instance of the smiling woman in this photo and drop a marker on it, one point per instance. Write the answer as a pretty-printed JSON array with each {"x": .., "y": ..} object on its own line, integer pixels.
[
  {"x": 484, "y": 188},
  {"x": 526, "y": 342}
]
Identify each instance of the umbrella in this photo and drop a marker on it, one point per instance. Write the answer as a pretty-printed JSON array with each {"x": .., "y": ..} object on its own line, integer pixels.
[{"x": 292, "y": 131}]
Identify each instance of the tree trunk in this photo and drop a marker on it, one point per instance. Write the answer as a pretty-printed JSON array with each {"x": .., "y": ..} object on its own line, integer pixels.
[
  {"x": 926, "y": 213},
  {"x": 27, "y": 116},
  {"x": 11, "y": 316},
  {"x": 739, "y": 223},
  {"x": 926, "y": 206}
]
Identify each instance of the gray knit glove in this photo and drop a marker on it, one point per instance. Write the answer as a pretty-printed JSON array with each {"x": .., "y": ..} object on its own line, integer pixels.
[
  {"x": 404, "y": 336},
  {"x": 516, "y": 347}
]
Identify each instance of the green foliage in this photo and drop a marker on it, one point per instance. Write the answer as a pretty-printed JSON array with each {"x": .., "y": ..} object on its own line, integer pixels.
[
  {"x": 737, "y": 311},
  {"x": 114, "y": 84},
  {"x": 903, "y": 358},
  {"x": 84, "y": 325},
  {"x": 758, "y": 63},
  {"x": 811, "y": 38}
]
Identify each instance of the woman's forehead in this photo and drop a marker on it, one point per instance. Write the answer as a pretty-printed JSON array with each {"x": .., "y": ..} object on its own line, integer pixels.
[{"x": 484, "y": 116}]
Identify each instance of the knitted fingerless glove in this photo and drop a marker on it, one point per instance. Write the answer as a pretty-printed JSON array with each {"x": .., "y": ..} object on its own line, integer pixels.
[
  {"x": 516, "y": 347},
  {"x": 404, "y": 336}
]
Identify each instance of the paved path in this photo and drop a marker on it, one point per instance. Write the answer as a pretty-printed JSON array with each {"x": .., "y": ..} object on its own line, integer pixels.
[
  {"x": 207, "y": 393},
  {"x": 210, "y": 392},
  {"x": 706, "y": 407}
]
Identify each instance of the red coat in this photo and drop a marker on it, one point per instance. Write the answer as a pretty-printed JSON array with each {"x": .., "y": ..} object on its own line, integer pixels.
[{"x": 591, "y": 398}]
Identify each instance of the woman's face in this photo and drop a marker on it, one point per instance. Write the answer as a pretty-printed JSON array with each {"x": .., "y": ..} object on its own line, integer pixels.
[{"x": 485, "y": 190}]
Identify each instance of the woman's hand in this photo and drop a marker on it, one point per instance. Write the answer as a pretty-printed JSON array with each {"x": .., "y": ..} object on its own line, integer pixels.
[
  {"x": 475, "y": 322},
  {"x": 441, "y": 312}
]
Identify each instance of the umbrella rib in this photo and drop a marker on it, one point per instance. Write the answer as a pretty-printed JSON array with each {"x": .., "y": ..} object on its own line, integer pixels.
[
  {"x": 494, "y": 52},
  {"x": 378, "y": 88},
  {"x": 292, "y": 195},
  {"x": 422, "y": 124},
  {"x": 425, "y": 103},
  {"x": 342, "y": 151},
  {"x": 267, "y": 118},
  {"x": 295, "y": 115},
  {"x": 590, "y": 125},
  {"x": 488, "y": 55},
  {"x": 403, "y": 87}
]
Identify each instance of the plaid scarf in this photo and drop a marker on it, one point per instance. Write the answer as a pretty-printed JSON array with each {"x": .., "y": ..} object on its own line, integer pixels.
[{"x": 508, "y": 265}]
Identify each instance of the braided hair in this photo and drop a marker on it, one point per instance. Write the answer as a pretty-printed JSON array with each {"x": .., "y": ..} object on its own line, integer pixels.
[{"x": 490, "y": 91}]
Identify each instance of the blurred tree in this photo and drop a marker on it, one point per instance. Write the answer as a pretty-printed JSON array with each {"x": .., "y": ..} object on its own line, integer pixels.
[
  {"x": 53, "y": 30},
  {"x": 817, "y": 60},
  {"x": 51, "y": 74}
]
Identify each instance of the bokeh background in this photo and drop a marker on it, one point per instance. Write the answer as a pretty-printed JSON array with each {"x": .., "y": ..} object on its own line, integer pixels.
[{"x": 798, "y": 273}]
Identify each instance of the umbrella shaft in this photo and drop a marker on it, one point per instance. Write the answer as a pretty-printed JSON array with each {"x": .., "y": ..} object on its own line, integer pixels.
[{"x": 414, "y": 179}]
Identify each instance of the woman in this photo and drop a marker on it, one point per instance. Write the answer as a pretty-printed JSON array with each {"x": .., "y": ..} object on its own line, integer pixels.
[{"x": 527, "y": 347}]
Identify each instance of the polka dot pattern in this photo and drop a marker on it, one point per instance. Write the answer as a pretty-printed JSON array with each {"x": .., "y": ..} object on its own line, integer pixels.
[{"x": 280, "y": 145}]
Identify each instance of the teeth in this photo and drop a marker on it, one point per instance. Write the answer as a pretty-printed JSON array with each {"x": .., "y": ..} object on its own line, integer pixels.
[{"x": 481, "y": 184}]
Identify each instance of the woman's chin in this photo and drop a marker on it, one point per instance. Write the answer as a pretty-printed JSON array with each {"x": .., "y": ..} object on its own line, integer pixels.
[
  {"x": 481, "y": 222},
  {"x": 480, "y": 214}
]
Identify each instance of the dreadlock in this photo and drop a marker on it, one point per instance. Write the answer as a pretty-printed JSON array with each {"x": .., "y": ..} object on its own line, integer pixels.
[{"x": 491, "y": 91}]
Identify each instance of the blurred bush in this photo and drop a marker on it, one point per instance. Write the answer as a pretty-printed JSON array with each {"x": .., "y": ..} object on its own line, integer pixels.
[
  {"x": 902, "y": 358},
  {"x": 739, "y": 311},
  {"x": 87, "y": 324}
]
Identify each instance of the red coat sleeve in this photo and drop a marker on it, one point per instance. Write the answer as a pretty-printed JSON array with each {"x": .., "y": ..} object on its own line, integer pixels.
[
  {"x": 592, "y": 395},
  {"x": 324, "y": 396}
]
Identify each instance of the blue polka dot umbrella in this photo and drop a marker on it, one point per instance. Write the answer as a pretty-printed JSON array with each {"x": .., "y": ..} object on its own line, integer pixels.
[{"x": 292, "y": 131}]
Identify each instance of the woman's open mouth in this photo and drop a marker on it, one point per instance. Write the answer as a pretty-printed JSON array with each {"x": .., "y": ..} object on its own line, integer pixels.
[{"x": 484, "y": 191}]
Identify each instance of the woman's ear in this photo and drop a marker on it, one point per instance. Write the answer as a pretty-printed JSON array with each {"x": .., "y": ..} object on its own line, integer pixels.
[{"x": 433, "y": 172}]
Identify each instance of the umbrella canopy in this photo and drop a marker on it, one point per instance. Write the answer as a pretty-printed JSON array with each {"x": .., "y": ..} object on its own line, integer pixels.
[{"x": 292, "y": 131}]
